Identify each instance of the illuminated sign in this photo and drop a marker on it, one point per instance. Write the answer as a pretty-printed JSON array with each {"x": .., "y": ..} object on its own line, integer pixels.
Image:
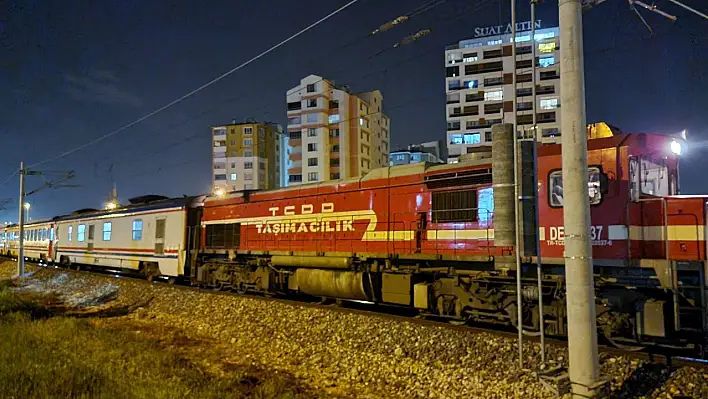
[{"x": 504, "y": 29}]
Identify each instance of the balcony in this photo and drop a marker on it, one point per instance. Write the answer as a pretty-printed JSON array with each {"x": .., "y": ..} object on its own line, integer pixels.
[
  {"x": 549, "y": 75},
  {"x": 545, "y": 89}
]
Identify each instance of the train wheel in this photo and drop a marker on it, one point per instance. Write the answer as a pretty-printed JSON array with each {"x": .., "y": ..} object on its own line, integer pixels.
[{"x": 241, "y": 289}]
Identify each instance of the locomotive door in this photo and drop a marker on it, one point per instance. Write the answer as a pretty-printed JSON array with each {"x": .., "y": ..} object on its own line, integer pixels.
[
  {"x": 160, "y": 228},
  {"x": 91, "y": 232}
]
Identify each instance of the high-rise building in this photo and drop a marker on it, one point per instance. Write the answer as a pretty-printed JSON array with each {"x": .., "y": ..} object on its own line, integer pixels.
[
  {"x": 247, "y": 156},
  {"x": 333, "y": 133},
  {"x": 479, "y": 86}
]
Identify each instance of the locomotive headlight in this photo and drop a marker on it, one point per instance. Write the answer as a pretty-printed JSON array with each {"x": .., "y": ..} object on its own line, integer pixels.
[{"x": 676, "y": 147}]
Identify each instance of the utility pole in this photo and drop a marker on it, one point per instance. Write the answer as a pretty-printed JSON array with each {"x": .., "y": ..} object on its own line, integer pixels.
[
  {"x": 21, "y": 250},
  {"x": 517, "y": 192},
  {"x": 582, "y": 326},
  {"x": 539, "y": 264}
]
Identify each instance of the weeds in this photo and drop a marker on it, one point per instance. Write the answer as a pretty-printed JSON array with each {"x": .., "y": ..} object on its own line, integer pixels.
[{"x": 61, "y": 357}]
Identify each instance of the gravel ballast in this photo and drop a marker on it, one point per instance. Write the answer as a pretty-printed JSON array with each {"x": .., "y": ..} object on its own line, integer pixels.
[{"x": 353, "y": 355}]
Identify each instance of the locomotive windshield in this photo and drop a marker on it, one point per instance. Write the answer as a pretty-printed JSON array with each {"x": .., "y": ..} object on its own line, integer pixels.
[{"x": 555, "y": 187}]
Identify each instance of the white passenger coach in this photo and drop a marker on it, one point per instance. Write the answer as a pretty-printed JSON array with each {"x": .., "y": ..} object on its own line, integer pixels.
[{"x": 149, "y": 236}]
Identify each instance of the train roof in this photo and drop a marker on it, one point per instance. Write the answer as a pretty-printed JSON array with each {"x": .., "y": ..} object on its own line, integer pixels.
[{"x": 152, "y": 203}]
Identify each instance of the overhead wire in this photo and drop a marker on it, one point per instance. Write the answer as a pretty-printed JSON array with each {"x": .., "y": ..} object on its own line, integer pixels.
[
  {"x": 459, "y": 15},
  {"x": 198, "y": 89},
  {"x": 222, "y": 103}
]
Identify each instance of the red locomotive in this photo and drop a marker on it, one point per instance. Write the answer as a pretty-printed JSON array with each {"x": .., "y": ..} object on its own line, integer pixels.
[{"x": 424, "y": 236}]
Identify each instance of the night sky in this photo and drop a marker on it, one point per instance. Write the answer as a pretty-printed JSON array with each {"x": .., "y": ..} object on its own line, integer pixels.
[{"x": 71, "y": 71}]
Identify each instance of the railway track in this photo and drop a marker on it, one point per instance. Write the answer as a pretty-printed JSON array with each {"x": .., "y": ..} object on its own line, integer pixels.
[{"x": 652, "y": 355}]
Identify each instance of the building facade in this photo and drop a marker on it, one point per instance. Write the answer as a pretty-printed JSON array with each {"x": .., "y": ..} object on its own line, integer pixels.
[
  {"x": 431, "y": 151},
  {"x": 247, "y": 156},
  {"x": 334, "y": 134},
  {"x": 480, "y": 92}
]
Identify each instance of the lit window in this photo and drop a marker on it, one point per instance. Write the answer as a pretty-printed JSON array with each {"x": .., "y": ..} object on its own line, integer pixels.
[
  {"x": 247, "y": 142},
  {"x": 549, "y": 103},
  {"x": 248, "y": 131},
  {"x": 547, "y": 35},
  {"x": 493, "y": 42},
  {"x": 68, "y": 233},
  {"x": 471, "y": 84},
  {"x": 545, "y": 62},
  {"x": 333, "y": 118},
  {"x": 361, "y": 121},
  {"x": 137, "y": 230},
  {"x": 248, "y": 165},
  {"x": 107, "y": 231},
  {"x": 456, "y": 139},
  {"x": 524, "y": 38},
  {"x": 547, "y": 47},
  {"x": 81, "y": 233},
  {"x": 470, "y": 59},
  {"x": 472, "y": 138},
  {"x": 496, "y": 95},
  {"x": 234, "y": 176}
]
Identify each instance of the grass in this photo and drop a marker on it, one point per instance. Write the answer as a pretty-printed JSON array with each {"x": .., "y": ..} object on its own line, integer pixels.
[{"x": 58, "y": 357}]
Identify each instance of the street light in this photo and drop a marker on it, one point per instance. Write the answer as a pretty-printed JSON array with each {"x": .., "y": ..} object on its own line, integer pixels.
[
  {"x": 27, "y": 207},
  {"x": 111, "y": 205},
  {"x": 219, "y": 192}
]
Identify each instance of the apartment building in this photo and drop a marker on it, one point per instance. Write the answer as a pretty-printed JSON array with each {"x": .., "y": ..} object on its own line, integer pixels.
[
  {"x": 247, "y": 156},
  {"x": 480, "y": 92},
  {"x": 334, "y": 134}
]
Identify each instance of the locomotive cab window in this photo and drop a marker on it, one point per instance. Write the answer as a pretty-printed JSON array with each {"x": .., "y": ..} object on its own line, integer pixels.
[
  {"x": 555, "y": 187},
  {"x": 454, "y": 206}
]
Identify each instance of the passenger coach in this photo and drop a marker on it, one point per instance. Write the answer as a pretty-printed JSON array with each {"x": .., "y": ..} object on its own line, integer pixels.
[{"x": 149, "y": 236}]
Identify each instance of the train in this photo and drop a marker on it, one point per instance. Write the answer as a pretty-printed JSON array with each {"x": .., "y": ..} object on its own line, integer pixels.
[{"x": 435, "y": 238}]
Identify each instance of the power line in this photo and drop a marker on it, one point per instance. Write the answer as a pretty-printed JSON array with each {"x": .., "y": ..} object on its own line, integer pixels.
[
  {"x": 417, "y": 11},
  {"x": 200, "y": 88},
  {"x": 9, "y": 178}
]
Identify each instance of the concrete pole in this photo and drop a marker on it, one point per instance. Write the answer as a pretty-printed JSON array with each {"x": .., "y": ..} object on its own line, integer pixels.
[
  {"x": 582, "y": 327},
  {"x": 539, "y": 264},
  {"x": 517, "y": 191},
  {"x": 21, "y": 249}
]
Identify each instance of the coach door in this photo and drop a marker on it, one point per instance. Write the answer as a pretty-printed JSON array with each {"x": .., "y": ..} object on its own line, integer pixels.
[
  {"x": 91, "y": 233},
  {"x": 160, "y": 227}
]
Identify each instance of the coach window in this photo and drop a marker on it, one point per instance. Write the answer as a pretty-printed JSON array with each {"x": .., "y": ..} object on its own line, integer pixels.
[
  {"x": 555, "y": 187},
  {"x": 68, "y": 233},
  {"x": 81, "y": 233},
  {"x": 137, "y": 230},
  {"x": 51, "y": 234},
  {"x": 107, "y": 231}
]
